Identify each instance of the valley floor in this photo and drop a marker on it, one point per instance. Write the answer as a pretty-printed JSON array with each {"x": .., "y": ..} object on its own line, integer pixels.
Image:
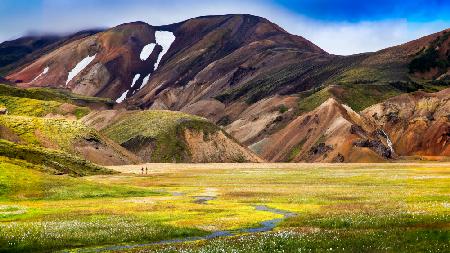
[{"x": 228, "y": 208}]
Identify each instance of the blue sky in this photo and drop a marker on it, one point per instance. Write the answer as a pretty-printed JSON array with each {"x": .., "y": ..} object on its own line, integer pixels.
[
  {"x": 339, "y": 27},
  {"x": 371, "y": 10}
]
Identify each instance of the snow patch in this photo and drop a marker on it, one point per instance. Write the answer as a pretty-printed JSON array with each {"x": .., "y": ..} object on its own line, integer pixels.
[
  {"x": 136, "y": 77},
  {"x": 164, "y": 39},
  {"x": 45, "y": 71},
  {"x": 122, "y": 97},
  {"x": 79, "y": 67},
  {"x": 145, "y": 81},
  {"x": 147, "y": 51}
]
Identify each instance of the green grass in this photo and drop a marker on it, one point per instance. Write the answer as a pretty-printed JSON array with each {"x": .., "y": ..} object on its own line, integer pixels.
[
  {"x": 357, "y": 96},
  {"x": 349, "y": 208},
  {"x": 20, "y": 180},
  {"x": 359, "y": 75},
  {"x": 33, "y": 193},
  {"x": 164, "y": 128},
  {"x": 61, "y": 133},
  {"x": 429, "y": 57},
  {"x": 86, "y": 232},
  {"x": 308, "y": 103},
  {"x": 50, "y": 143},
  {"x": 344, "y": 208},
  {"x": 51, "y": 160},
  {"x": 38, "y": 108},
  {"x": 151, "y": 123},
  {"x": 296, "y": 150},
  {"x": 396, "y": 240},
  {"x": 49, "y": 94}
]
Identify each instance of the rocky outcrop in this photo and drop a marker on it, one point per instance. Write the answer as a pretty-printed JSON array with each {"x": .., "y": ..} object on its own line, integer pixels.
[
  {"x": 417, "y": 123},
  {"x": 377, "y": 146}
]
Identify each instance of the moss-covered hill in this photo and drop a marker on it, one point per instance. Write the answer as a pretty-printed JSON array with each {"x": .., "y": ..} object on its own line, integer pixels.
[
  {"x": 56, "y": 95},
  {"x": 70, "y": 136},
  {"x": 357, "y": 96},
  {"x": 167, "y": 136},
  {"x": 41, "y": 127},
  {"x": 50, "y": 160},
  {"x": 40, "y": 108}
]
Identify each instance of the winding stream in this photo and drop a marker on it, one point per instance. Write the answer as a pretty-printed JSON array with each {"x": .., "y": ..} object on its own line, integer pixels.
[{"x": 264, "y": 226}]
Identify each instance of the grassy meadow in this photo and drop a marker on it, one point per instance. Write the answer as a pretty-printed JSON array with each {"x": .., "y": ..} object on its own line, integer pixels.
[{"x": 339, "y": 208}]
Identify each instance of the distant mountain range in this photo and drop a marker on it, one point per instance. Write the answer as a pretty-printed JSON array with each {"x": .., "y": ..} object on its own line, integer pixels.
[{"x": 260, "y": 93}]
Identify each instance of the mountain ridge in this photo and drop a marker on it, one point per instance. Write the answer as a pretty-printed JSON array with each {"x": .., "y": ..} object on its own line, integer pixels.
[{"x": 252, "y": 78}]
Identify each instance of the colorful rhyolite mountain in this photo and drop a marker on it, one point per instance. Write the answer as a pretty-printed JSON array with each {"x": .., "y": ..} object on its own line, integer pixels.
[{"x": 275, "y": 93}]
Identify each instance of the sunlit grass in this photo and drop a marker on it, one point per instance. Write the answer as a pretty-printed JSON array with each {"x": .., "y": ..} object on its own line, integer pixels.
[
  {"x": 346, "y": 208},
  {"x": 316, "y": 240}
]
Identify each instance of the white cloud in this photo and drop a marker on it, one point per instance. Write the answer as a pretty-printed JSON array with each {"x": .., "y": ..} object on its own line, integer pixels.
[
  {"x": 337, "y": 38},
  {"x": 352, "y": 38}
]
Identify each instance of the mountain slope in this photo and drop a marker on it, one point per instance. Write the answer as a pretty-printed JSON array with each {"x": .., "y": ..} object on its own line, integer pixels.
[
  {"x": 330, "y": 133},
  {"x": 415, "y": 124},
  {"x": 402, "y": 65},
  {"x": 213, "y": 54},
  {"x": 238, "y": 48},
  {"x": 215, "y": 60},
  {"x": 17, "y": 53},
  {"x": 254, "y": 79},
  {"x": 46, "y": 119},
  {"x": 166, "y": 136},
  {"x": 418, "y": 123},
  {"x": 49, "y": 160},
  {"x": 56, "y": 95},
  {"x": 69, "y": 136},
  {"x": 103, "y": 64}
]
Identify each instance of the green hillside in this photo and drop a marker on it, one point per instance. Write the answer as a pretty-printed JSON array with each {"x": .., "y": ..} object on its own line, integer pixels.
[
  {"x": 163, "y": 129},
  {"x": 50, "y": 94},
  {"x": 49, "y": 160}
]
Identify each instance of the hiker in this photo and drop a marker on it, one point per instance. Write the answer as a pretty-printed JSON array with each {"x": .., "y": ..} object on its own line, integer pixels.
[
  {"x": 142, "y": 169},
  {"x": 146, "y": 170}
]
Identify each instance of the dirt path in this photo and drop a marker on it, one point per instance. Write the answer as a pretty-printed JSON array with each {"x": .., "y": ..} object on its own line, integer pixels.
[{"x": 174, "y": 167}]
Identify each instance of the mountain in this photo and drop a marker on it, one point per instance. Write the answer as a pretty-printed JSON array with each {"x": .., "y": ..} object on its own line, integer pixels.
[
  {"x": 414, "y": 124},
  {"x": 274, "y": 92},
  {"x": 16, "y": 53},
  {"x": 101, "y": 65},
  {"x": 330, "y": 133},
  {"x": 214, "y": 54}
]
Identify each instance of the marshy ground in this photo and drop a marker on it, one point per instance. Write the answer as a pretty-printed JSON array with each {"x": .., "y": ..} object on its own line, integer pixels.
[{"x": 174, "y": 207}]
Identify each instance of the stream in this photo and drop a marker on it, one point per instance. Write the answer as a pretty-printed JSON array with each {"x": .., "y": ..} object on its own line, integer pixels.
[{"x": 264, "y": 226}]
